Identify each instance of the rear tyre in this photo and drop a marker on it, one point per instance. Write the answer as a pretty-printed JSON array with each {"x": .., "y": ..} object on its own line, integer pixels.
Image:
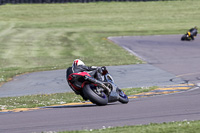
[
  {"x": 123, "y": 97},
  {"x": 98, "y": 99},
  {"x": 184, "y": 37}
]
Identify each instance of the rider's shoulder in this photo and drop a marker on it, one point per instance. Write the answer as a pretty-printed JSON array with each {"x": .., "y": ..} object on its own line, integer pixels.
[{"x": 94, "y": 67}]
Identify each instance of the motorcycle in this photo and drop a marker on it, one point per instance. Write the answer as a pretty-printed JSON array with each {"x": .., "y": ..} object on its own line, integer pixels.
[
  {"x": 186, "y": 37},
  {"x": 94, "y": 90}
]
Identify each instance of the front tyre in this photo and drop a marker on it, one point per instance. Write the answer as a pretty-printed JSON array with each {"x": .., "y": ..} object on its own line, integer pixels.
[
  {"x": 93, "y": 96},
  {"x": 123, "y": 97}
]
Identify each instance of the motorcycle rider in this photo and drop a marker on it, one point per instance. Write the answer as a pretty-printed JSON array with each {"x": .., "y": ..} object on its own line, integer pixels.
[
  {"x": 192, "y": 32},
  {"x": 79, "y": 66},
  {"x": 95, "y": 72}
]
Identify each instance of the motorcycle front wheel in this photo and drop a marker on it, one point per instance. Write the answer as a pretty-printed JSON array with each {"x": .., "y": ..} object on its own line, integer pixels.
[
  {"x": 98, "y": 98},
  {"x": 123, "y": 97}
]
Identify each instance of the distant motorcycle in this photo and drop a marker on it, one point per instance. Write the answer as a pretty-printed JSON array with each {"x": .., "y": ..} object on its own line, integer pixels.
[
  {"x": 90, "y": 88},
  {"x": 186, "y": 37},
  {"x": 190, "y": 34}
]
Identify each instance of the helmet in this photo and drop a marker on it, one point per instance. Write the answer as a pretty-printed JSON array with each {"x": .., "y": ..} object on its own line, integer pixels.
[
  {"x": 77, "y": 62},
  {"x": 195, "y": 27}
]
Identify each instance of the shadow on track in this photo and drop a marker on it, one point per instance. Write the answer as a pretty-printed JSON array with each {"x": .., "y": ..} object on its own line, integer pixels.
[{"x": 79, "y": 106}]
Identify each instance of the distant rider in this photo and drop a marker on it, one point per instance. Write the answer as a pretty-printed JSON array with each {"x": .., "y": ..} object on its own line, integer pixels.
[{"x": 192, "y": 32}]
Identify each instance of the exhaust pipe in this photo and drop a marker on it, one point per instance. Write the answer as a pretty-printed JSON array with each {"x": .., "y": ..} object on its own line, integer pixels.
[{"x": 95, "y": 81}]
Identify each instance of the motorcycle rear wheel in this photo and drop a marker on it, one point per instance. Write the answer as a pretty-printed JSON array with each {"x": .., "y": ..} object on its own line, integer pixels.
[{"x": 95, "y": 98}]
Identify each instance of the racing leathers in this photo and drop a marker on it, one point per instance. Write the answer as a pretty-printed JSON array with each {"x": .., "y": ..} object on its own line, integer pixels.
[
  {"x": 94, "y": 71},
  {"x": 192, "y": 33}
]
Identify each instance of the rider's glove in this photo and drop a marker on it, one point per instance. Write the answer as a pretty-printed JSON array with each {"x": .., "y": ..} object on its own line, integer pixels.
[
  {"x": 100, "y": 70},
  {"x": 103, "y": 68}
]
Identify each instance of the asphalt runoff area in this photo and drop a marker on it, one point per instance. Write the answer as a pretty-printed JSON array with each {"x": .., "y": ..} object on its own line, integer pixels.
[{"x": 127, "y": 76}]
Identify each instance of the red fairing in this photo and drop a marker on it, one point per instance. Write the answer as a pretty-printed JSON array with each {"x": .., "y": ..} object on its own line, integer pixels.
[
  {"x": 82, "y": 74},
  {"x": 70, "y": 77},
  {"x": 83, "y": 84},
  {"x": 74, "y": 87}
]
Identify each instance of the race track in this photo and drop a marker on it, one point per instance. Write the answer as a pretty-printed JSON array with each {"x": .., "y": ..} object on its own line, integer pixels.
[
  {"x": 165, "y": 52},
  {"x": 48, "y": 82}
]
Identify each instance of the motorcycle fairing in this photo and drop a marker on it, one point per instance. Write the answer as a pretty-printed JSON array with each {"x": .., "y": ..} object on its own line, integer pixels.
[{"x": 76, "y": 80}]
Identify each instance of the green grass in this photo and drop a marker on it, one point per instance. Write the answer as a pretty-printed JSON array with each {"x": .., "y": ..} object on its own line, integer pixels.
[
  {"x": 33, "y": 101},
  {"x": 172, "y": 127},
  {"x": 37, "y": 37}
]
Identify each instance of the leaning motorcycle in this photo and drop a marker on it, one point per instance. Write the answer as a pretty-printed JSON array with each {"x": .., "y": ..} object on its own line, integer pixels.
[
  {"x": 94, "y": 90},
  {"x": 186, "y": 37}
]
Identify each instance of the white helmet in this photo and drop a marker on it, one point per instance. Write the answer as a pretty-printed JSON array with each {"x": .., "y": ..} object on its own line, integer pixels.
[{"x": 77, "y": 62}]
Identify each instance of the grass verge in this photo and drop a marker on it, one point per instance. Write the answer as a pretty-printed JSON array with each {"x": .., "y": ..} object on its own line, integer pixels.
[
  {"x": 33, "y": 101},
  {"x": 171, "y": 127}
]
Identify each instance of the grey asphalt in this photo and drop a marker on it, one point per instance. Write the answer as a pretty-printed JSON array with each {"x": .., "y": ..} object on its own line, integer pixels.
[
  {"x": 47, "y": 82},
  {"x": 166, "y": 52},
  {"x": 158, "y": 109}
]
